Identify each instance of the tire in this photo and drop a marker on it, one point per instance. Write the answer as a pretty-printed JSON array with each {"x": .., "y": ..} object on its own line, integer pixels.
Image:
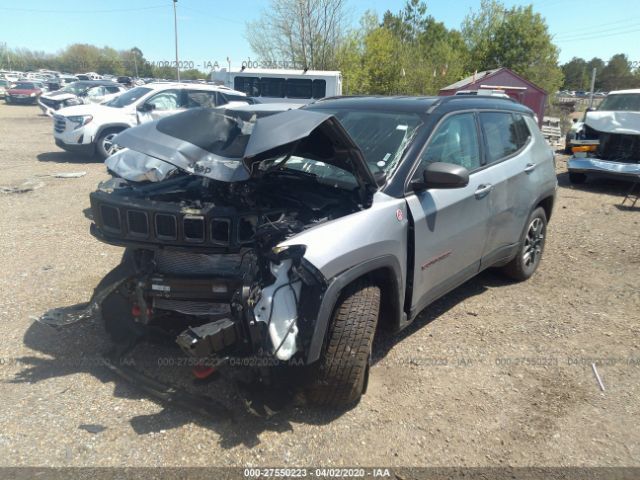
[
  {"x": 105, "y": 140},
  {"x": 577, "y": 178},
  {"x": 340, "y": 377},
  {"x": 531, "y": 248}
]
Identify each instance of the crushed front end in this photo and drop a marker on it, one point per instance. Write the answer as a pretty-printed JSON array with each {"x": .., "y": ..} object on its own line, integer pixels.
[
  {"x": 608, "y": 143},
  {"x": 204, "y": 266}
]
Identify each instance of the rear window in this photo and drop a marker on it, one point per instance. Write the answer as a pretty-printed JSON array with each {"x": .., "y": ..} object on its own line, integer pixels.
[{"x": 504, "y": 134}]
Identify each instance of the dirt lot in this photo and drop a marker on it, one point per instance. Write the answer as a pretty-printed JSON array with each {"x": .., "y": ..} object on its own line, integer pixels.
[{"x": 495, "y": 373}]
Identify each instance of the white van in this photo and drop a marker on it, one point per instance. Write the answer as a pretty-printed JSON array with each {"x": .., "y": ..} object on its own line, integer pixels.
[{"x": 276, "y": 85}]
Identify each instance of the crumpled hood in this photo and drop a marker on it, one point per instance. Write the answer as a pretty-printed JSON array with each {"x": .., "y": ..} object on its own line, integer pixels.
[
  {"x": 224, "y": 144},
  {"x": 59, "y": 95},
  {"x": 138, "y": 167},
  {"x": 625, "y": 123}
]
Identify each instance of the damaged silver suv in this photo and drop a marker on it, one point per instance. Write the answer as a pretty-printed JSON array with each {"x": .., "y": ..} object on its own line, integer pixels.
[{"x": 293, "y": 235}]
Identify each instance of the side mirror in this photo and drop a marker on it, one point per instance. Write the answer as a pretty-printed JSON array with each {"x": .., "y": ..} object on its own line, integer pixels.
[
  {"x": 442, "y": 175},
  {"x": 146, "y": 107}
]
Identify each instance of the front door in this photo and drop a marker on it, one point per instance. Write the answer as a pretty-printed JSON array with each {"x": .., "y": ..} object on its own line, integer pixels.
[{"x": 450, "y": 225}]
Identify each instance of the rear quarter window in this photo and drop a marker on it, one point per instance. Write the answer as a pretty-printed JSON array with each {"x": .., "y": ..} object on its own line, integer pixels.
[{"x": 504, "y": 134}]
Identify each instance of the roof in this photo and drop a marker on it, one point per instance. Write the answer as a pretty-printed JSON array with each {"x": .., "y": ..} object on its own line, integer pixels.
[
  {"x": 280, "y": 71},
  {"x": 199, "y": 86},
  {"x": 479, "y": 77},
  {"x": 408, "y": 104},
  {"x": 470, "y": 79},
  {"x": 631, "y": 90},
  {"x": 419, "y": 104}
]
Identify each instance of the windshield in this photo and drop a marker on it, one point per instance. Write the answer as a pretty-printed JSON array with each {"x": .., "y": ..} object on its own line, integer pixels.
[
  {"x": 381, "y": 136},
  {"x": 321, "y": 172},
  {"x": 128, "y": 98},
  {"x": 621, "y": 102},
  {"x": 75, "y": 88},
  {"x": 24, "y": 86}
]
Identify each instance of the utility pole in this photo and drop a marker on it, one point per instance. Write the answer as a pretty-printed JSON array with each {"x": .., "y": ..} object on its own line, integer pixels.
[
  {"x": 175, "y": 25},
  {"x": 135, "y": 61},
  {"x": 593, "y": 84}
]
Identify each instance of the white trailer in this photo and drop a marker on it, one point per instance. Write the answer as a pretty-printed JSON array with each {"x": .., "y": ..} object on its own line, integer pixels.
[{"x": 275, "y": 84}]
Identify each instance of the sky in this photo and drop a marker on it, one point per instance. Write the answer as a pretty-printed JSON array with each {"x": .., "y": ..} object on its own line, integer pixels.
[{"x": 212, "y": 30}]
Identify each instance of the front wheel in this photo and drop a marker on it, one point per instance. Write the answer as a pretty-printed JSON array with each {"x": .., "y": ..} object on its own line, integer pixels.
[
  {"x": 342, "y": 372},
  {"x": 531, "y": 247},
  {"x": 105, "y": 143}
]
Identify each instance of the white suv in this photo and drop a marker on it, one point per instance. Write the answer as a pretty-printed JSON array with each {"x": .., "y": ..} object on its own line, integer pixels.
[{"x": 90, "y": 129}]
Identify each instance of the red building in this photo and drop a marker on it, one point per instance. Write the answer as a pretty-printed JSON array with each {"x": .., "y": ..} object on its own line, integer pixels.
[{"x": 518, "y": 88}]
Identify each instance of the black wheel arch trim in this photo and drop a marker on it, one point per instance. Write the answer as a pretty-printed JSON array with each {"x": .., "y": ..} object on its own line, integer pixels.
[{"x": 337, "y": 284}]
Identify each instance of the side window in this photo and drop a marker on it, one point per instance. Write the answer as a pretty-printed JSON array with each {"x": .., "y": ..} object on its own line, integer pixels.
[
  {"x": 319, "y": 88},
  {"x": 95, "y": 92},
  {"x": 248, "y": 85},
  {"x": 523, "y": 130},
  {"x": 272, "y": 87},
  {"x": 167, "y": 100},
  {"x": 113, "y": 89},
  {"x": 200, "y": 98},
  {"x": 454, "y": 141},
  {"x": 503, "y": 133},
  {"x": 298, "y": 88}
]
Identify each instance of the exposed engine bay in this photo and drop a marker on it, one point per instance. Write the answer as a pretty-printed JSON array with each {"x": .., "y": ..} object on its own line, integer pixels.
[{"x": 203, "y": 264}]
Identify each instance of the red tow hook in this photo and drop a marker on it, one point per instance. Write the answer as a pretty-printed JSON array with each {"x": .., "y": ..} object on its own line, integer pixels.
[{"x": 202, "y": 371}]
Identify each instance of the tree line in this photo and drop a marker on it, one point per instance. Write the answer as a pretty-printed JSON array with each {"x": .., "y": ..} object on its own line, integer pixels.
[
  {"x": 409, "y": 51},
  {"x": 82, "y": 58},
  {"x": 616, "y": 74},
  {"x": 405, "y": 52}
]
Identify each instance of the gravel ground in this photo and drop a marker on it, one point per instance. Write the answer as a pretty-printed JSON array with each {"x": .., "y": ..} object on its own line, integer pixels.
[{"x": 494, "y": 374}]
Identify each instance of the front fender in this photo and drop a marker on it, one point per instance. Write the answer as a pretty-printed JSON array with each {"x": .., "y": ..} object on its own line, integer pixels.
[{"x": 337, "y": 285}]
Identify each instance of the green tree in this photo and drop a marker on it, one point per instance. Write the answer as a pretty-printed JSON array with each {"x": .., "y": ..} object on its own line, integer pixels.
[
  {"x": 576, "y": 74},
  {"x": 516, "y": 38},
  {"x": 617, "y": 74},
  {"x": 303, "y": 32}
]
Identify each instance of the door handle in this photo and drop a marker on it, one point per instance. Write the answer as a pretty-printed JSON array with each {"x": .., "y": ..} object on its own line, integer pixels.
[
  {"x": 530, "y": 167},
  {"x": 483, "y": 190}
]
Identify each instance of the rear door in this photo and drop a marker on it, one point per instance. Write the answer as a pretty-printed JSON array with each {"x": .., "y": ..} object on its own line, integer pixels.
[
  {"x": 511, "y": 165},
  {"x": 450, "y": 225}
]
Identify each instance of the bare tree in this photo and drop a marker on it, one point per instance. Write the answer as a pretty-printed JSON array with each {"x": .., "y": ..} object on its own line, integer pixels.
[{"x": 305, "y": 33}]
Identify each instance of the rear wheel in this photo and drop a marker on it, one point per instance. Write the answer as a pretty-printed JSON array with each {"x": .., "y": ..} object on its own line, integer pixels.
[
  {"x": 531, "y": 247},
  {"x": 342, "y": 372},
  {"x": 577, "y": 178}
]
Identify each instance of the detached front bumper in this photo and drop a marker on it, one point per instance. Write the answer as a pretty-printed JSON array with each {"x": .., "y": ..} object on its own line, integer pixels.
[{"x": 605, "y": 167}]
